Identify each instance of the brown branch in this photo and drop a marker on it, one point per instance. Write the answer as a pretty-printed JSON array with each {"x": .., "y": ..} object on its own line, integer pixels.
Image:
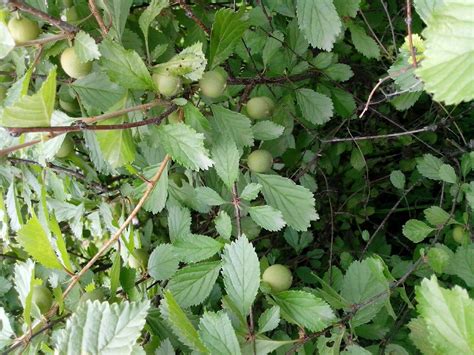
[
  {"x": 41, "y": 41},
  {"x": 191, "y": 15},
  {"x": 236, "y": 203},
  {"x": 271, "y": 80},
  {"x": 66, "y": 27},
  {"x": 367, "y": 104},
  {"x": 410, "y": 35},
  {"x": 95, "y": 12}
]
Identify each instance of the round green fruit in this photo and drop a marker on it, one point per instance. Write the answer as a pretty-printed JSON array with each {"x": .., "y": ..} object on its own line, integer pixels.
[
  {"x": 96, "y": 294},
  {"x": 260, "y": 107},
  {"x": 72, "y": 66},
  {"x": 66, "y": 148},
  {"x": 23, "y": 29},
  {"x": 139, "y": 260},
  {"x": 212, "y": 84},
  {"x": 260, "y": 161},
  {"x": 42, "y": 298},
  {"x": 460, "y": 235},
  {"x": 278, "y": 277},
  {"x": 178, "y": 178},
  {"x": 167, "y": 85}
]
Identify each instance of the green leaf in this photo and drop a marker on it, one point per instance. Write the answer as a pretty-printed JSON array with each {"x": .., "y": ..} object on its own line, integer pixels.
[
  {"x": 449, "y": 56},
  {"x": 36, "y": 243},
  {"x": 295, "y": 202},
  {"x": 163, "y": 262},
  {"x": 101, "y": 328},
  {"x": 364, "y": 280},
  {"x": 195, "y": 119},
  {"x": 223, "y": 224},
  {"x": 217, "y": 334},
  {"x": 269, "y": 319},
  {"x": 24, "y": 278},
  {"x": 34, "y": 110},
  {"x": 316, "y": 108},
  {"x": 363, "y": 43},
  {"x": 447, "y": 174},
  {"x": 406, "y": 100},
  {"x": 227, "y": 30},
  {"x": 166, "y": 348},
  {"x": 344, "y": 103},
  {"x": 250, "y": 191},
  {"x": 185, "y": 146},
  {"x": 462, "y": 264},
  {"x": 448, "y": 317},
  {"x": 241, "y": 272},
  {"x": 436, "y": 216},
  {"x": 267, "y": 217},
  {"x": 118, "y": 10},
  {"x": 339, "y": 72},
  {"x": 226, "y": 157},
  {"x": 180, "y": 323},
  {"x": 147, "y": 17},
  {"x": 319, "y": 22},
  {"x": 209, "y": 196},
  {"x": 7, "y": 43},
  {"x": 264, "y": 345},
  {"x": 228, "y": 124},
  {"x": 85, "y": 47},
  {"x": 429, "y": 166},
  {"x": 159, "y": 194},
  {"x": 6, "y": 331},
  {"x": 189, "y": 63},
  {"x": 273, "y": 44},
  {"x": 416, "y": 230},
  {"x": 96, "y": 91},
  {"x": 192, "y": 284},
  {"x": 397, "y": 178},
  {"x": 354, "y": 349},
  {"x": 192, "y": 248},
  {"x": 179, "y": 222},
  {"x": 420, "y": 336},
  {"x": 267, "y": 130},
  {"x": 426, "y": 8},
  {"x": 125, "y": 67},
  {"x": 304, "y": 309},
  {"x": 347, "y": 8}
]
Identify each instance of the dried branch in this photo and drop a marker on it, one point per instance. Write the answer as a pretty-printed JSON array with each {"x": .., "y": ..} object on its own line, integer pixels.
[
  {"x": 367, "y": 104},
  {"x": 95, "y": 12},
  {"x": 410, "y": 35},
  {"x": 272, "y": 80}
]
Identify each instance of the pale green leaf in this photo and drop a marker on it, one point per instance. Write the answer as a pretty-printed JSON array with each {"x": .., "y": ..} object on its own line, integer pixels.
[
  {"x": 339, "y": 72},
  {"x": 448, "y": 63},
  {"x": 397, "y": 178},
  {"x": 426, "y": 8},
  {"x": 7, "y": 43},
  {"x": 416, "y": 230},
  {"x": 420, "y": 336},
  {"x": 24, "y": 275},
  {"x": 436, "y": 216},
  {"x": 406, "y": 100},
  {"x": 227, "y": 31},
  {"x": 269, "y": 319},
  {"x": 6, "y": 331},
  {"x": 192, "y": 248},
  {"x": 462, "y": 264},
  {"x": 304, "y": 309},
  {"x": 166, "y": 348},
  {"x": 103, "y": 328},
  {"x": 223, "y": 224},
  {"x": 315, "y": 107},
  {"x": 363, "y": 43},
  {"x": 319, "y": 22},
  {"x": 347, "y": 8},
  {"x": 267, "y": 217},
  {"x": 250, "y": 191},
  {"x": 226, "y": 157},
  {"x": 232, "y": 125},
  {"x": 241, "y": 272},
  {"x": 185, "y": 146},
  {"x": 429, "y": 166},
  {"x": 192, "y": 284},
  {"x": 118, "y": 10},
  {"x": 85, "y": 47},
  {"x": 147, "y": 17},
  {"x": 179, "y": 222},
  {"x": 447, "y": 174},
  {"x": 163, "y": 262},
  {"x": 267, "y": 130},
  {"x": 295, "y": 202},
  {"x": 217, "y": 334},
  {"x": 195, "y": 119},
  {"x": 209, "y": 196},
  {"x": 159, "y": 194},
  {"x": 34, "y": 110},
  {"x": 354, "y": 349}
]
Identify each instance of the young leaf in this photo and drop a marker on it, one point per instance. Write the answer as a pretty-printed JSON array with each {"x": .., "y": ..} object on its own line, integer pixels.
[
  {"x": 436, "y": 216},
  {"x": 316, "y": 108},
  {"x": 85, "y": 47},
  {"x": 304, "y": 309},
  {"x": 7, "y": 43},
  {"x": 267, "y": 130},
  {"x": 163, "y": 262},
  {"x": 416, "y": 230},
  {"x": 267, "y": 217},
  {"x": 319, "y": 22},
  {"x": 232, "y": 125},
  {"x": 447, "y": 174},
  {"x": 192, "y": 248},
  {"x": 462, "y": 264},
  {"x": 166, "y": 348},
  {"x": 269, "y": 319},
  {"x": 118, "y": 11},
  {"x": 226, "y": 158},
  {"x": 363, "y": 43},
  {"x": 103, "y": 328},
  {"x": 217, "y": 334},
  {"x": 223, "y": 224},
  {"x": 6, "y": 331},
  {"x": 429, "y": 166},
  {"x": 147, "y": 17},
  {"x": 157, "y": 200},
  {"x": 295, "y": 202},
  {"x": 241, "y": 272},
  {"x": 179, "y": 222},
  {"x": 250, "y": 192},
  {"x": 209, "y": 196},
  {"x": 397, "y": 178}
]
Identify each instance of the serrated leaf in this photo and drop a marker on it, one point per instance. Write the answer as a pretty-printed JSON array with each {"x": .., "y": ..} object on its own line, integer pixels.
[
  {"x": 339, "y": 72},
  {"x": 125, "y": 67},
  {"x": 227, "y": 31},
  {"x": 195, "y": 119},
  {"x": 192, "y": 248},
  {"x": 343, "y": 101},
  {"x": 24, "y": 275},
  {"x": 429, "y": 166},
  {"x": 34, "y": 110},
  {"x": 315, "y": 107},
  {"x": 36, "y": 243},
  {"x": 7, "y": 43},
  {"x": 209, "y": 196},
  {"x": 347, "y": 7},
  {"x": 185, "y": 146},
  {"x": 180, "y": 323},
  {"x": 319, "y": 22},
  {"x": 241, "y": 272},
  {"x": 416, "y": 230},
  {"x": 163, "y": 262},
  {"x": 269, "y": 319},
  {"x": 226, "y": 158},
  {"x": 264, "y": 345},
  {"x": 420, "y": 336},
  {"x": 363, "y": 43},
  {"x": 85, "y": 47},
  {"x": 462, "y": 264},
  {"x": 397, "y": 178},
  {"x": 295, "y": 202},
  {"x": 190, "y": 63},
  {"x": 192, "y": 284},
  {"x": 449, "y": 55},
  {"x": 304, "y": 309},
  {"x": 101, "y": 328},
  {"x": 273, "y": 44},
  {"x": 118, "y": 10},
  {"x": 166, "y": 348},
  {"x": 159, "y": 194},
  {"x": 147, "y": 17},
  {"x": 436, "y": 216},
  {"x": 223, "y": 224},
  {"x": 179, "y": 222},
  {"x": 217, "y": 334},
  {"x": 267, "y": 130},
  {"x": 447, "y": 174},
  {"x": 448, "y": 317},
  {"x": 6, "y": 331},
  {"x": 267, "y": 217},
  {"x": 250, "y": 191},
  {"x": 426, "y": 8},
  {"x": 232, "y": 125}
]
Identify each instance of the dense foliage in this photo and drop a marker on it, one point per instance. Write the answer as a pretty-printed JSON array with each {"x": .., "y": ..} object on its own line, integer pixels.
[{"x": 236, "y": 177}]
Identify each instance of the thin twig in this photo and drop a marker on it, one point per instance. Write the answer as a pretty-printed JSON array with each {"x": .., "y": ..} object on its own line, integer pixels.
[
  {"x": 385, "y": 8},
  {"x": 191, "y": 15},
  {"x": 95, "y": 12},
  {"x": 44, "y": 40},
  {"x": 272, "y": 80},
  {"x": 367, "y": 104},
  {"x": 236, "y": 203},
  {"x": 410, "y": 35},
  {"x": 374, "y": 35}
]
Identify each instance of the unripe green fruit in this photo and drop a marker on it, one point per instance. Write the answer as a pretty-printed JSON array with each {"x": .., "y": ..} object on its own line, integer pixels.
[
  {"x": 460, "y": 235},
  {"x": 96, "y": 294},
  {"x": 167, "y": 85},
  {"x": 140, "y": 260},
  {"x": 72, "y": 66},
  {"x": 66, "y": 148},
  {"x": 259, "y": 108},
  {"x": 23, "y": 29},
  {"x": 278, "y": 277},
  {"x": 212, "y": 84},
  {"x": 260, "y": 161},
  {"x": 178, "y": 178},
  {"x": 69, "y": 106},
  {"x": 42, "y": 298}
]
